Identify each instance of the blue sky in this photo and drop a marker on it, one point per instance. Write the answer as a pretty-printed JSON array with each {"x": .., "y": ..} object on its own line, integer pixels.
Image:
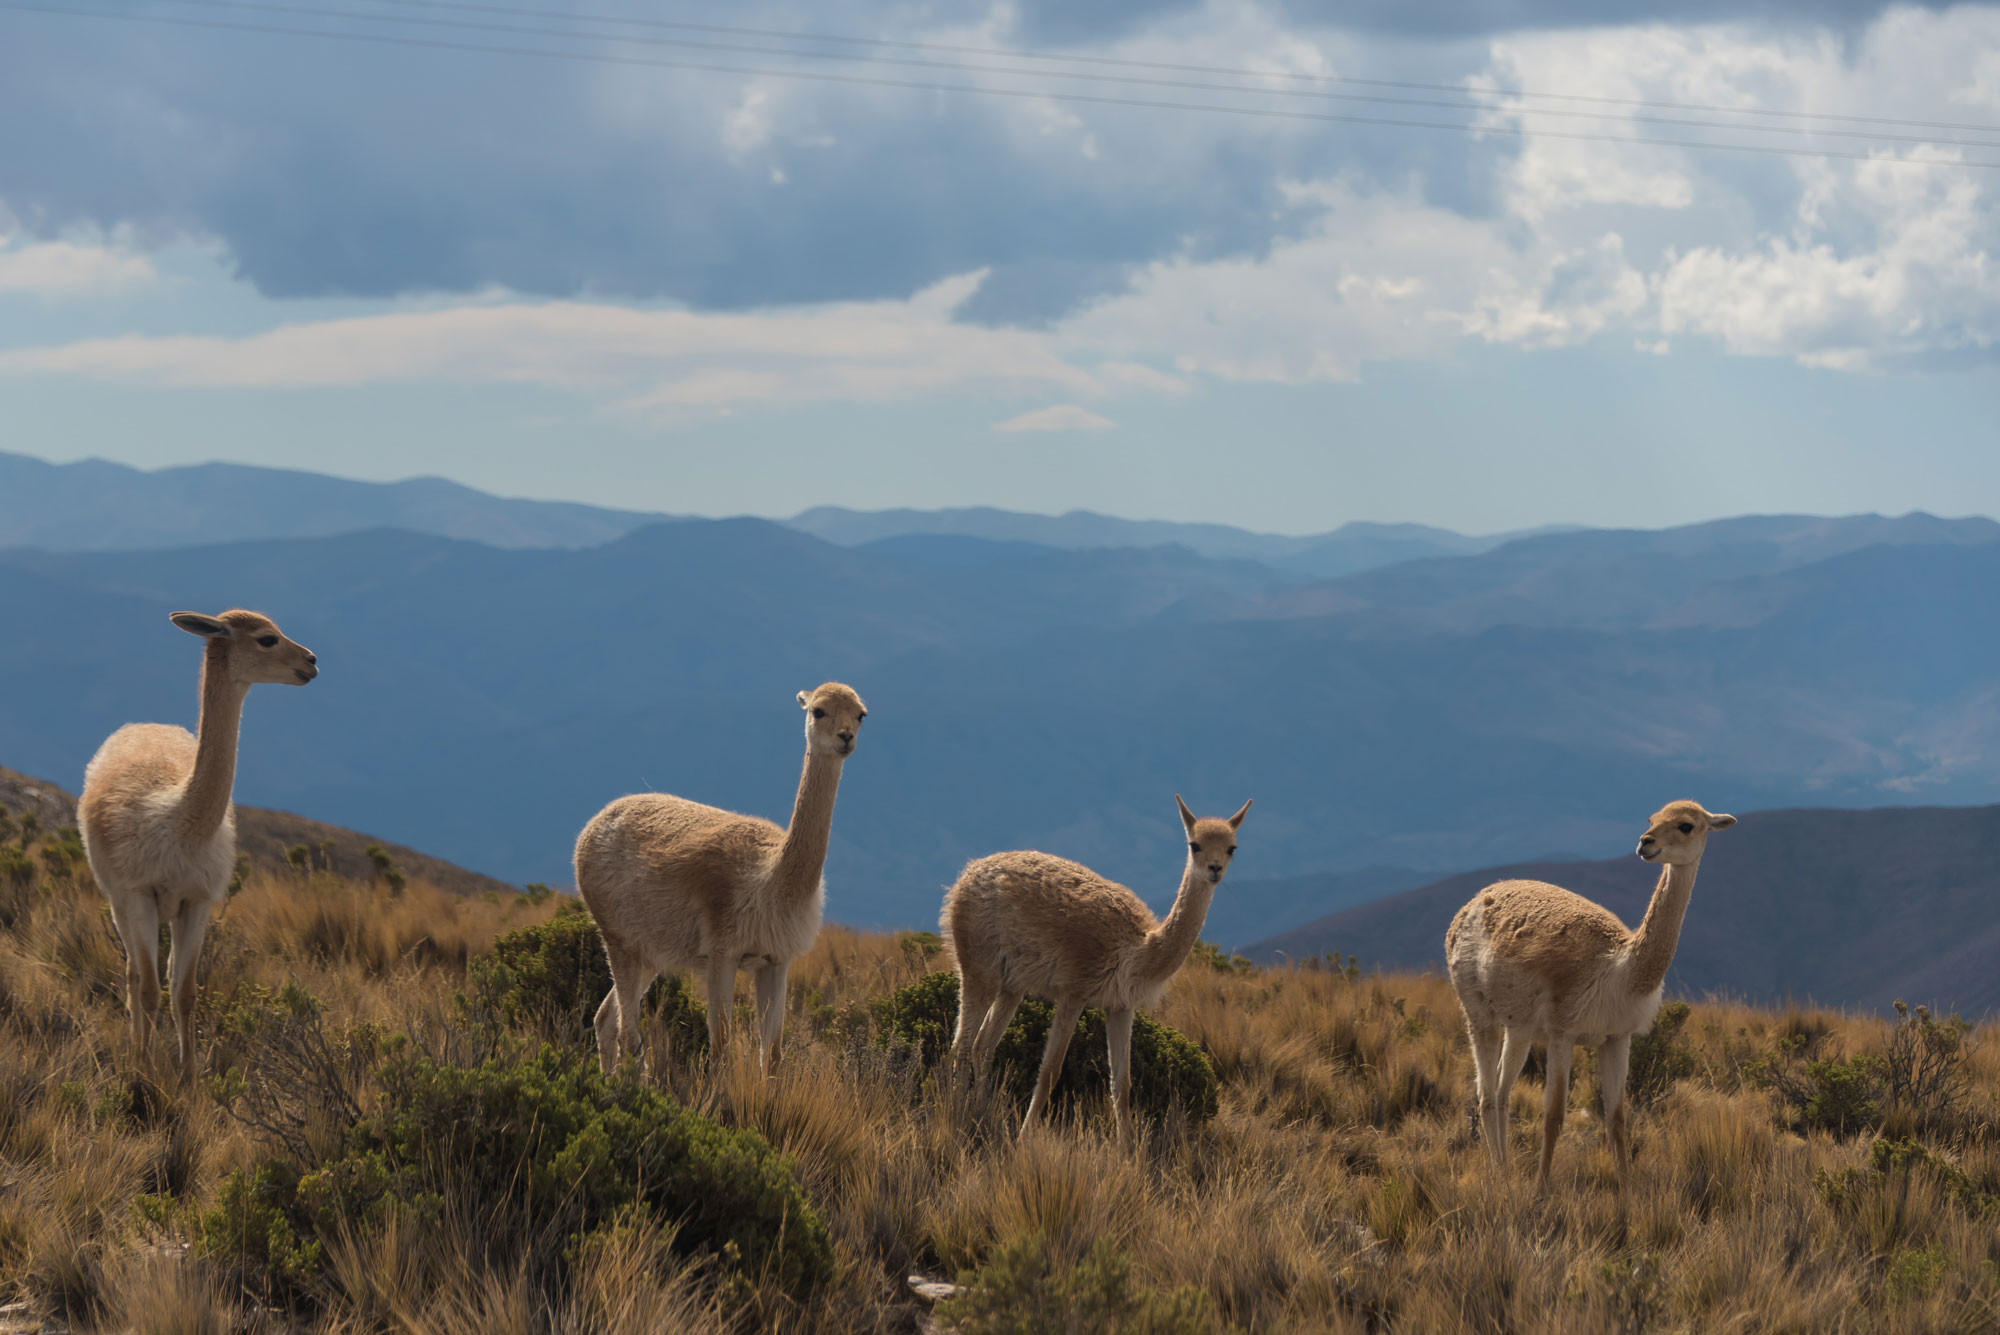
[{"x": 711, "y": 292}]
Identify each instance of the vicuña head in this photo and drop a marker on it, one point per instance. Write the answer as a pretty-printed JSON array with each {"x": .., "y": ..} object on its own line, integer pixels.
[
  {"x": 833, "y": 719},
  {"x": 1679, "y": 832},
  {"x": 1211, "y": 842},
  {"x": 253, "y": 651}
]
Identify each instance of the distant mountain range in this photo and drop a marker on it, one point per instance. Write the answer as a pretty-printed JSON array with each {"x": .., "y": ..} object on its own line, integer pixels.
[
  {"x": 1530, "y": 700},
  {"x": 98, "y": 506},
  {"x": 1846, "y": 908}
]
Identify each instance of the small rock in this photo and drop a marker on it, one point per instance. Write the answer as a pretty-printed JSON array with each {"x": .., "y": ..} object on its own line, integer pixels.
[{"x": 932, "y": 1290}]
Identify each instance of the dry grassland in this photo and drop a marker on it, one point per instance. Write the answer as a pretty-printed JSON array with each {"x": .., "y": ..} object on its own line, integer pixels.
[{"x": 1340, "y": 1187}]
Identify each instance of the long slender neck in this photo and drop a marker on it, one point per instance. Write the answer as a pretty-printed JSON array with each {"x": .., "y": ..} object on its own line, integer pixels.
[
  {"x": 1166, "y": 947},
  {"x": 802, "y": 856},
  {"x": 1653, "y": 944},
  {"x": 206, "y": 800}
]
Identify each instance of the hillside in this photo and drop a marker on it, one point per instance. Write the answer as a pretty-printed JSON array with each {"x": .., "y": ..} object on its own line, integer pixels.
[
  {"x": 1843, "y": 908},
  {"x": 268, "y": 837}
]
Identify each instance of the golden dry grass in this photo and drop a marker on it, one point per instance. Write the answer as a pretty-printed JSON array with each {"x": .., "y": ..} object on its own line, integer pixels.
[{"x": 1340, "y": 1188}]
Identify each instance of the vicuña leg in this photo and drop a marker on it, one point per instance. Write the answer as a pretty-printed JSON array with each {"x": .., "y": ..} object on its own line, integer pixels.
[
  {"x": 137, "y": 918},
  {"x": 992, "y": 1029},
  {"x": 975, "y": 996},
  {"x": 771, "y": 1012},
  {"x": 1118, "y": 1033},
  {"x": 1513, "y": 1056},
  {"x": 1060, "y": 1029},
  {"x": 721, "y": 1000},
  {"x": 1613, "y": 1060},
  {"x": 1555, "y": 1101},
  {"x": 617, "y": 1022},
  {"x": 190, "y": 928},
  {"x": 1486, "y": 1047}
]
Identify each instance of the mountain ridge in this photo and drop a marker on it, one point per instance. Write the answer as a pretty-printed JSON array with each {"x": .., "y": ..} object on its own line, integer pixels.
[{"x": 1854, "y": 908}]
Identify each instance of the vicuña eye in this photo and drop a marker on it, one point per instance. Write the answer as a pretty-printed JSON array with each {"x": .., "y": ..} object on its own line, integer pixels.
[
  {"x": 1685, "y": 827},
  {"x": 1232, "y": 850},
  {"x": 267, "y": 641},
  {"x": 819, "y": 713},
  {"x": 1194, "y": 848}
]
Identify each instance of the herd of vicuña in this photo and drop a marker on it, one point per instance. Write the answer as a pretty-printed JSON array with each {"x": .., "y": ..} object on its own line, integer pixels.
[{"x": 675, "y": 886}]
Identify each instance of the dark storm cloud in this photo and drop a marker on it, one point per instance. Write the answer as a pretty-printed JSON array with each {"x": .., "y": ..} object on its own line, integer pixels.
[{"x": 328, "y": 167}]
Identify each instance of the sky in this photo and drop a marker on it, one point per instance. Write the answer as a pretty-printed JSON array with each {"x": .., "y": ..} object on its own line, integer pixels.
[{"x": 1158, "y": 259}]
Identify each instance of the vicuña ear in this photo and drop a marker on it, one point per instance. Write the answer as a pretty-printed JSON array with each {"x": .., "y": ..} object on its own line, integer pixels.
[
  {"x": 805, "y": 700},
  {"x": 1187, "y": 817},
  {"x": 1236, "y": 821},
  {"x": 1720, "y": 821},
  {"x": 194, "y": 623}
]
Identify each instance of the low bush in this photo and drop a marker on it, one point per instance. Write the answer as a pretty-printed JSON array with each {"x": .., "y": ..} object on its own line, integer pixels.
[
  {"x": 550, "y": 978},
  {"x": 1660, "y": 1059},
  {"x": 1892, "y": 1164},
  {"x": 1207, "y": 952},
  {"x": 542, "y": 1153},
  {"x": 1816, "y": 1090},
  {"x": 1170, "y": 1075},
  {"x": 1022, "y": 1291},
  {"x": 1926, "y": 1080}
]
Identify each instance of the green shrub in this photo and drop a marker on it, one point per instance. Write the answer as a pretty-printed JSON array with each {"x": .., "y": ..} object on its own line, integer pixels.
[
  {"x": 543, "y": 1153},
  {"x": 1815, "y": 1091},
  {"x": 1914, "y": 1272},
  {"x": 251, "y": 1228},
  {"x": 1660, "y": 1059},
  {"x": 1169, "y": 1073},
  {"x": 384, "y": 869},
  {"x": 1927, "y": 1083},
  {"x": 1207, "y": 952},
  {"x": 550, "y": 978},
  {"x": 1023, "y": 1291},
  {"x": 1892, "y": 1164},
  {"x": 922, "y": 945},
  {"x": 1634, "y": 1291}
]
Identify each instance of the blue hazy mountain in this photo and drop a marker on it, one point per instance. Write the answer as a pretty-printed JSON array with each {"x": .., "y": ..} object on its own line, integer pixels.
[
  {"x": 481, "y": 702},
  {"x": 1847, "y": 908},
  {"x": 94, "y": 505},
  {"x": 98, "y": 506}
]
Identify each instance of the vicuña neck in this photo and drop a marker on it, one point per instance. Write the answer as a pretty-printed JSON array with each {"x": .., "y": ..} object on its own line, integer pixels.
[
  {"x": 1653, "y": 944},
  {"x": 206, "y": 801},
  {"x": 802, "y": 857},
  {"x": 1166, "y": 947}
]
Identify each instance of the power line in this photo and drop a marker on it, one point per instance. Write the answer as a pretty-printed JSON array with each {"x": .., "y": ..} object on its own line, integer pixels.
[
  {"x": 1175, "y": 67},
  {"x": 821, "y": 76},
  {"x": 310, "y": 11}
]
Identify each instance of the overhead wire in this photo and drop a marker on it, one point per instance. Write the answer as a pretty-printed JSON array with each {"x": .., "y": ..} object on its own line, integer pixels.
[
  {"x": 514, "y": 30},
  {"x": 1059, "y": 95},
  {"x": 684, "y": 25}
]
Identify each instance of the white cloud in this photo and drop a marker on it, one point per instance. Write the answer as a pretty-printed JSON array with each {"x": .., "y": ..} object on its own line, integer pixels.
[
  {"x": 69, "y": 268},
  {"x": 1833, "y": 263},
  {"x": 1057, "y": 417},
  {"x": 645, "y": 361}
]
